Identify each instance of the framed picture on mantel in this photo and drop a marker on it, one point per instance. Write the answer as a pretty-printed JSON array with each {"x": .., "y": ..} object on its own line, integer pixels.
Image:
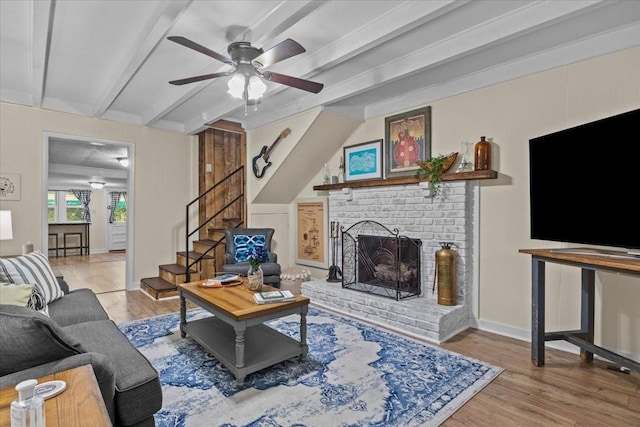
[
  {"x": 407, "y": 139},
  {"x": 363, "y": 161}
]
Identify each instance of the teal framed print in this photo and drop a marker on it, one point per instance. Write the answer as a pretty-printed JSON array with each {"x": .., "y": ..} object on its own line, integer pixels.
[{"x": 363, "y": 161}]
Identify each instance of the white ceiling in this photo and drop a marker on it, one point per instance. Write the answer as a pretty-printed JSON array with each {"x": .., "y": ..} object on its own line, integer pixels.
[{"x": 112, "y": 60}]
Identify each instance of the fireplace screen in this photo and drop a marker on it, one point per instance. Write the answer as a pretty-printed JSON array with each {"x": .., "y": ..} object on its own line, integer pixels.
[{"x": 379, "y": 261}]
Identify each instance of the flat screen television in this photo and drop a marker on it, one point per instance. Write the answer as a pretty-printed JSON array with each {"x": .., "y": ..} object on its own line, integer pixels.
[{"x": 584, "y": 185}]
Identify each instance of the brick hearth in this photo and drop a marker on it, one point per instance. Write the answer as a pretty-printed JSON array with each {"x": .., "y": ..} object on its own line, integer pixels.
[{"x": 447, "y": 218}]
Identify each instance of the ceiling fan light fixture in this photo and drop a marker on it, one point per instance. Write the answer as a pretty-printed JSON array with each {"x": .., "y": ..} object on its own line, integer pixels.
[
  {"x": 124, "y": 161},
  {"x": 257, "y": 88},
  {"x": 236, "y": 86},
  {"x": 98, "y": 185}
]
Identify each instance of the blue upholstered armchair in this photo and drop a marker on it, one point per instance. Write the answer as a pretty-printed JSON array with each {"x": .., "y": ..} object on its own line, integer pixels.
[{"x": 239, "y": 242}]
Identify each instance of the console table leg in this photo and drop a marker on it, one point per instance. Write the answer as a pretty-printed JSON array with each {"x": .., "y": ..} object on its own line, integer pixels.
[
  {"x": 537, "y": 311},
  {"x": 587, "y": 302}
]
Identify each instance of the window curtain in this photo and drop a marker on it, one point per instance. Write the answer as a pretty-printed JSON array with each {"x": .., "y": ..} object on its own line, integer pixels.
[
  {"x": 85, "y": 198},
  {"x": 114, "y": 199}
]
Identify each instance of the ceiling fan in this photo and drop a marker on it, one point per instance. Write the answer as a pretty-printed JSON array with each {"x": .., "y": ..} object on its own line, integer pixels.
[{"x": 247, "y": 64}]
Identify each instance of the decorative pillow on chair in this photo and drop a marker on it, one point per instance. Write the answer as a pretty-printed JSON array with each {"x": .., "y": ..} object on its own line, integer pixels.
[
  {"x": 244, "y": 244},
  {"x": 32, "y": 268}
]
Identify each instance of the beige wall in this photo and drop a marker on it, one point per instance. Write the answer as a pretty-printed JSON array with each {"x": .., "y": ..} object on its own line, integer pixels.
[
  {"x": 511, "y": 113},
  {"x": 165, "y": 170}
]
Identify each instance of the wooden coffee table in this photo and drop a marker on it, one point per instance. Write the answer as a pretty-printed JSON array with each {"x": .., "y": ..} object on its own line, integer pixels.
[
  {"x": 80, "y": 403},
  {"x": 235, "y": 335}
]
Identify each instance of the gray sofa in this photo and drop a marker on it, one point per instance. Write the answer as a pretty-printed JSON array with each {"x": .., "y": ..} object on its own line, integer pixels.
[{"x": 79, "y": 332}]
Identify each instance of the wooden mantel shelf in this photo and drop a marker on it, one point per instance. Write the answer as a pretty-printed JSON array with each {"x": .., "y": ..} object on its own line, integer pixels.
[{"x": 406, "y": 180}]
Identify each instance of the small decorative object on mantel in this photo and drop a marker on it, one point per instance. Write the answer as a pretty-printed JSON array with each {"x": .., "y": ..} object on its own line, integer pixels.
[
  {"x": 255, "y": 275},
  {"x": 466, "y": 158},
  {"x": 433, "y": 169},
  {"x": 326, "y": 179},
  {"x": 483, "y": 154}
]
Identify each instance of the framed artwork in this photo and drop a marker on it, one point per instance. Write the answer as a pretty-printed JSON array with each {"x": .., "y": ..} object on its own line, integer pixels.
[
  {"x": 407, "y": 139},
  {"x": 312, "y": 234},
  {"x": 363, "y": 161},
  {"x": 9, "y": 186}
]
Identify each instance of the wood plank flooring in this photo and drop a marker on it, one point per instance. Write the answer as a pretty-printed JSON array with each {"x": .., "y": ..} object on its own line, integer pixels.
[
  {"x": 100, "y": 272},
  {"x": 565, "y": 392}
]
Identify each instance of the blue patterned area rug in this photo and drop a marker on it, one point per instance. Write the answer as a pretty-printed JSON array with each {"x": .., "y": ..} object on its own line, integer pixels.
[{"x": 355, "y": 375}]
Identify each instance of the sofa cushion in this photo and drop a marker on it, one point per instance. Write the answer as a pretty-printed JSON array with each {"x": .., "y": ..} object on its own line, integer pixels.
[
  {"x": 138, "y": 390},
  {"x": 32, "y": 268},
  {"x": 80, "y": 305},
  {"x": 30, "y": 338},
  {"x": 245, "y": 243}
]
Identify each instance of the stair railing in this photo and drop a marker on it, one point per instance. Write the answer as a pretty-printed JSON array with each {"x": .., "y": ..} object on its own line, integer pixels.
[{"x": 188, "y": 234}]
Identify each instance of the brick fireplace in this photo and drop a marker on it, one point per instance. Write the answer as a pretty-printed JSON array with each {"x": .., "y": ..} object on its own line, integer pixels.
[{"x": 409, "y": 209}]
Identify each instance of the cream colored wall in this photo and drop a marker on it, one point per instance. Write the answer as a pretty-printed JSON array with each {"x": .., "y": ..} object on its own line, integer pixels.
[
  {"x": 165, "y": 175},
  {"x": 511, "y": 113}
]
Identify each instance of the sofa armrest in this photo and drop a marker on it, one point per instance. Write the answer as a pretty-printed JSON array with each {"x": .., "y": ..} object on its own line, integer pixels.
[
  {"x": 102, "y": 368},
  {"x": 63, "y": 284}
]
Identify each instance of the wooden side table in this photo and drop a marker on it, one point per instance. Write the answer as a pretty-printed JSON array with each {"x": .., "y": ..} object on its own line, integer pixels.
[{"x": 80, "y": 402}]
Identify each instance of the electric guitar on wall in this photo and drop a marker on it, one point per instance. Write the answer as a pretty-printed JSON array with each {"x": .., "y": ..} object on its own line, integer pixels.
[{"x": 261, "y": 162}]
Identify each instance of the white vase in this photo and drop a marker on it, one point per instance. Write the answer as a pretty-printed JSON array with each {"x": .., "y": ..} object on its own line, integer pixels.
[{"x": 255, "y": 278}]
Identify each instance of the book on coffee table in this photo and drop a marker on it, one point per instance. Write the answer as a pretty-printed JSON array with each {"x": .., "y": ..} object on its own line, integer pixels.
[{"x": 273, "y": 297}]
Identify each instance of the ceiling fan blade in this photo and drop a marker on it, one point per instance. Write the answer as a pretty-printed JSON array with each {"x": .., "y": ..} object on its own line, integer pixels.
[
  {"x": 200, "y": 78},
  {"x": 195, "y": 46},
  {"x": 283, "y": 50},
  {"x": 307, "y": 85}
]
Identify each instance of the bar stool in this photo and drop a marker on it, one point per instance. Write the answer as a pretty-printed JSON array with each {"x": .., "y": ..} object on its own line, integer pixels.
[
  {"x": 79, "y": 246},
  {"x": 53, "y": 237}
]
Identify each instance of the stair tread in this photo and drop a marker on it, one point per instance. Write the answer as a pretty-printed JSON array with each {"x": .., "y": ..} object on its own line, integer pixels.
[
  {"x": 158, "y": 284},
  {"x": 176, "y": 268},
  {"x": 208, "y": 241},
  {"x": 193, "y": 255}
]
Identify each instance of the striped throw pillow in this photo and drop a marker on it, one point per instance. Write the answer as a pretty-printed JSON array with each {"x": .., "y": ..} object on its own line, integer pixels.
[{"x": 32, "y": 268}]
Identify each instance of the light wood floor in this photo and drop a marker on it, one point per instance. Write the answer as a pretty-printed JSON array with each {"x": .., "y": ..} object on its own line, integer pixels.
[
  {"x": 99, "y": 272},
  {"x": 565, "y": 392}
]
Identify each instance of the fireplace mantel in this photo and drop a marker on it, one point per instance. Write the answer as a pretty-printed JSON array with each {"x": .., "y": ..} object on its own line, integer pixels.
[{"x": 405, "y": 180}]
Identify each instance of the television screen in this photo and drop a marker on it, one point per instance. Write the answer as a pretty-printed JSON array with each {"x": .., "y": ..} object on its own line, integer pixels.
[{"x": 585, "y": 183}]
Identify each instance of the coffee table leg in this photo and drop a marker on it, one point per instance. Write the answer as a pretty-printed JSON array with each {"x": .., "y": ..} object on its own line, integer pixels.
[
  {"x": 303, "y": 332},
  {"x": 240, "y": 330},
  {"x": 183, "y": 315}
]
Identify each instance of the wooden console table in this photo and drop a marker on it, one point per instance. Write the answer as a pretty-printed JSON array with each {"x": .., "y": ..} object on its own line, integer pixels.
[
  {"x": 582, "y": 338},
  {"x": 80, "y": 404},
  {"x": 67, "y": 228}
]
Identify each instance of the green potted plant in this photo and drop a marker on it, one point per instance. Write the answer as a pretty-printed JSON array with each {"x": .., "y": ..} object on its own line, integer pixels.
[{"x": 433, "y": 168}]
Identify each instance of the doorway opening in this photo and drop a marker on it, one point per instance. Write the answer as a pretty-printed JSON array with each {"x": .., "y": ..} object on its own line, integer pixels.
[{"x": 73, "y": 162}]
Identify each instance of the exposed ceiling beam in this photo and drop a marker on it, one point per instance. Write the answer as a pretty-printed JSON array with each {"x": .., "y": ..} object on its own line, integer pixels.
[
  {"x": 401, "y": 19},
  {"x": 161, "y": 21},
  {"x": 42, "y": 21}
]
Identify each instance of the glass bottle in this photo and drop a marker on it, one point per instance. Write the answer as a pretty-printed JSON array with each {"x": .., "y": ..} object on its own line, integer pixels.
[
  {"x": 482, "y": 154},
  {"x": 28, "y": 409}
]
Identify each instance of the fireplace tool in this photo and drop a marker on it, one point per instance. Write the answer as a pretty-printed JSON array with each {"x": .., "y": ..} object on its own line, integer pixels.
[{"x": 335, "y": 274}]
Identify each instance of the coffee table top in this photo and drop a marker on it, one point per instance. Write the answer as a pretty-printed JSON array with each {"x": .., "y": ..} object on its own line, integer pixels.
[{"x": 237, "y": 301}]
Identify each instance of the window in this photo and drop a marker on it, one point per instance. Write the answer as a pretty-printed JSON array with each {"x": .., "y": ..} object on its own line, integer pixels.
[
  {"x": 63, "y": 206},
  {"x": 120, "y": 214}
]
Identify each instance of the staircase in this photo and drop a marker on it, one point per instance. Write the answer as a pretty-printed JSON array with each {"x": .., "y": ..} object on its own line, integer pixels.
[{"x": 207, "y": 254}]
